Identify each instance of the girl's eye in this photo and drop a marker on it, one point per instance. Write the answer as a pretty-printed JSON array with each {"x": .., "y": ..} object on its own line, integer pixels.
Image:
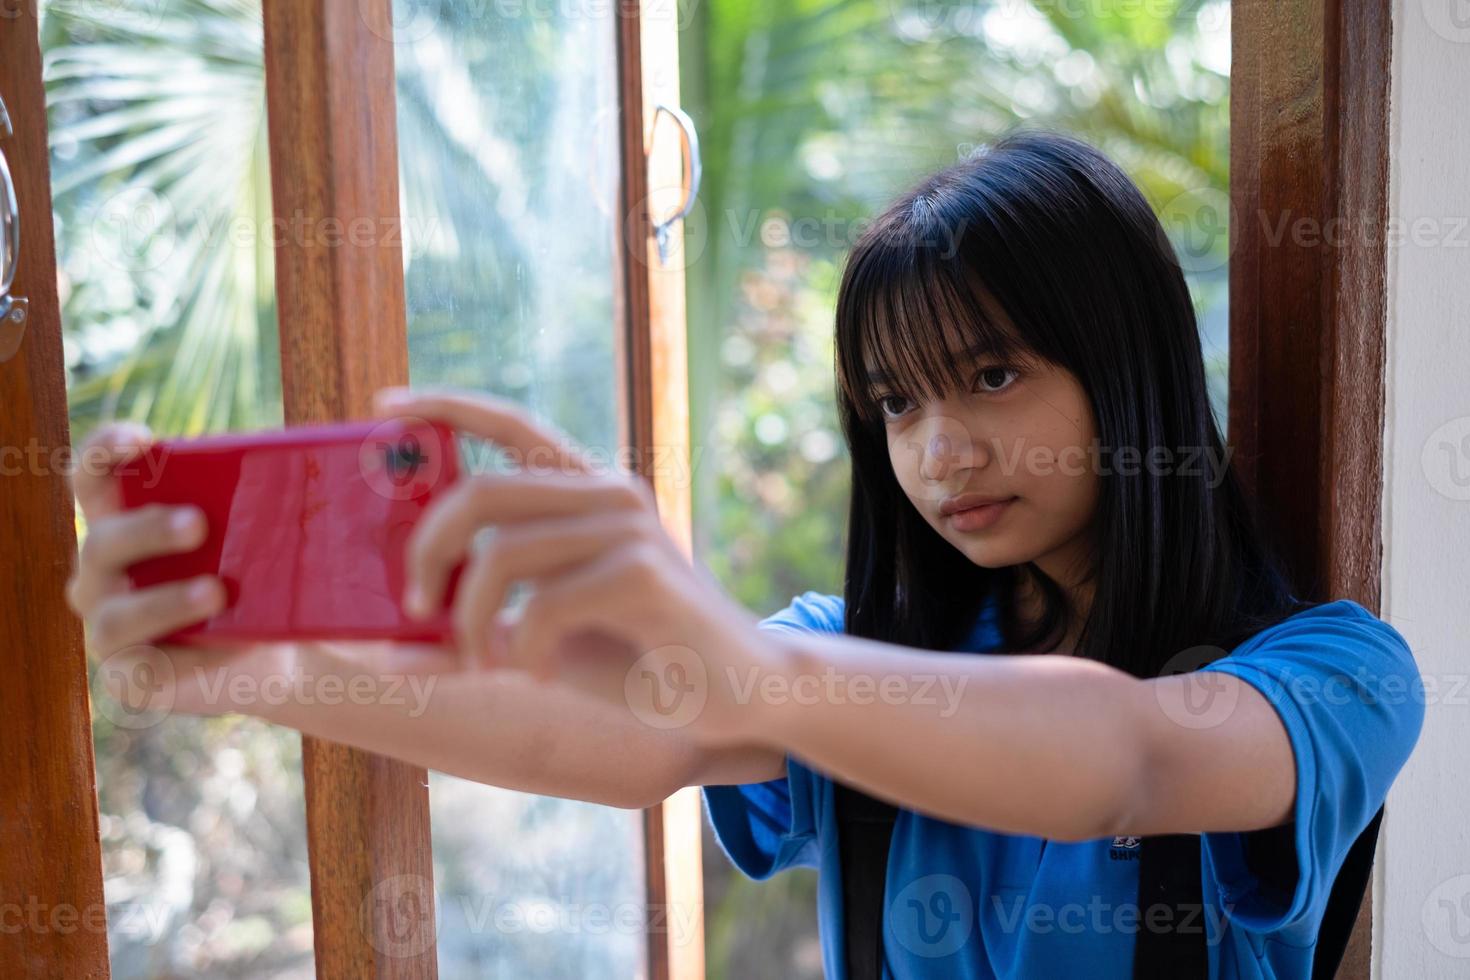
[
  {"x": 997, "y": 376},
  {"x": 991, "y": 380},
  {"x": 884, "y": 401}
]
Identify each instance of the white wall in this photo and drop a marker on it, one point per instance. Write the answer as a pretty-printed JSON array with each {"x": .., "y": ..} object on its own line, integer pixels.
[{"x": 1421, "y": 888}]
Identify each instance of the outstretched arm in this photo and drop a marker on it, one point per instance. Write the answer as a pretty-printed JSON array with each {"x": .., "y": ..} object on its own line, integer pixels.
[
  {"x": 1048, "y": 745},
  {"x": 410, "y": 703}
]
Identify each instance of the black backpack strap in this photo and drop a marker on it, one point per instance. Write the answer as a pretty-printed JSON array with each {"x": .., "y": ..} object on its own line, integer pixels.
[
  {"x": 864, "y": 831},
  {"x": 1345, "y": 900},
  {"x": 1169, "y": 876},
  {"x": 1169, "y": 872}
]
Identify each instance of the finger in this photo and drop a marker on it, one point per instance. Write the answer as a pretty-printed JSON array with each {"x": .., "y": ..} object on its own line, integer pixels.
[
  {"x": 441, "y": 539},
  {"x": 92, "y": 477},
  {"x": 531, "y": 552},
  {"x": 607, "y": 595},
  {"x": 116, "y": 541},
  {"x": 495, "y": 420},
  {"x": 137, "y": 617}
]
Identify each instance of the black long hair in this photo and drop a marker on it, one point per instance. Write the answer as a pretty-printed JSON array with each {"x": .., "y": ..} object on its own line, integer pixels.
[{"x": 1047, "y": 231}]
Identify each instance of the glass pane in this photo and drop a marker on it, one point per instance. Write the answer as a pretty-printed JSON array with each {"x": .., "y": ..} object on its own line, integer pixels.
[
  {"x": 162, "y": 197},
  {"x": 508, "y": 155}
]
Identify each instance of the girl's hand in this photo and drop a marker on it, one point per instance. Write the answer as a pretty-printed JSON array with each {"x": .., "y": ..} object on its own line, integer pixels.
[
  {"x": 615, "y": 609},
  {"x": 122, "y": 622}
]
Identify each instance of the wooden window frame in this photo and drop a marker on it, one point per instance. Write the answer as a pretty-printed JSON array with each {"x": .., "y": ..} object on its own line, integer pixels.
[
  {"x": 48, "y": 781},
  {"x": 332, "y": 118},
  {"x": 1309, "y": 139}
]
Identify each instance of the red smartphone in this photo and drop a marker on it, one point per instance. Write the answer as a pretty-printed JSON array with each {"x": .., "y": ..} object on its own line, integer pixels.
[{"x": 307, "y": 527}]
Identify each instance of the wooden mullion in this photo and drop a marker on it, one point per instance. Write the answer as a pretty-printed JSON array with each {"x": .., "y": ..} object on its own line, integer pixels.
[
  {"x": 653, "y": 377},
  {"x": 334, "y": 160},
  {"x": 1308, "y": 309},
  {"x": 50, "y": 851},
  {"x": 1356, "y": 306}
]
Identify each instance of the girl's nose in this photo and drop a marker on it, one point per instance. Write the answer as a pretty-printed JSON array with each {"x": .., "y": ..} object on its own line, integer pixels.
[
  {"x": 945, "y": 447},
  {"x": 940, "y": 455}
]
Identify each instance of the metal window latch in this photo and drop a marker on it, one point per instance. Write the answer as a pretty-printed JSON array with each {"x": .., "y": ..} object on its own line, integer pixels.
[
  {"x": 13, "y": 309},
  {"x": 689, "y": 139}
]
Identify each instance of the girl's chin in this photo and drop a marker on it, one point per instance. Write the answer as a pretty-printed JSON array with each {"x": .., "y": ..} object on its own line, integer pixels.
[{"x": 986, "y": 554}]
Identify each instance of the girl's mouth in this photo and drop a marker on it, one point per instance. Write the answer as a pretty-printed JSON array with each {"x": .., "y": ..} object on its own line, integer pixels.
[{"x": 977, "y": 517}]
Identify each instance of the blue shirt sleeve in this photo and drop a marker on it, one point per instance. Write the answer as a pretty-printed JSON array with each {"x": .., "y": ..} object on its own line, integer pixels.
[
  {"x": 767, "y": 827},
  {"x": 1349, "y": 694}
]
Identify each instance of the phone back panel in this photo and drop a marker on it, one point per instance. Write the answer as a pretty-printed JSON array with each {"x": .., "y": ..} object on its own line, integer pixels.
[{"x": 307, "y": 526}]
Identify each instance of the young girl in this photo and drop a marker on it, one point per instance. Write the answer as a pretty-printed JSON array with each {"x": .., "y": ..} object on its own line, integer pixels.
[{"x": 1060, "y": 630}]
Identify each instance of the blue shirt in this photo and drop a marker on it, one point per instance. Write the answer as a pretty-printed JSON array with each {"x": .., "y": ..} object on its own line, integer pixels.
[{"x": 965, "y": 902}]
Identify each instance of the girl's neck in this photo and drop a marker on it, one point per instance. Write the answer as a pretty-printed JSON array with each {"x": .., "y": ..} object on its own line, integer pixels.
[{"x": 1029, "y": 604}]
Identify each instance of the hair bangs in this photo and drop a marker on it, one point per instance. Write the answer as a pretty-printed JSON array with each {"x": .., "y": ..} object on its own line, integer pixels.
[{"x": 910, "y": 322}]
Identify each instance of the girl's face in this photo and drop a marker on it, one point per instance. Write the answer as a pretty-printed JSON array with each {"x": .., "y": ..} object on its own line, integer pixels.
[{"x": 1019, "y": 433}]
